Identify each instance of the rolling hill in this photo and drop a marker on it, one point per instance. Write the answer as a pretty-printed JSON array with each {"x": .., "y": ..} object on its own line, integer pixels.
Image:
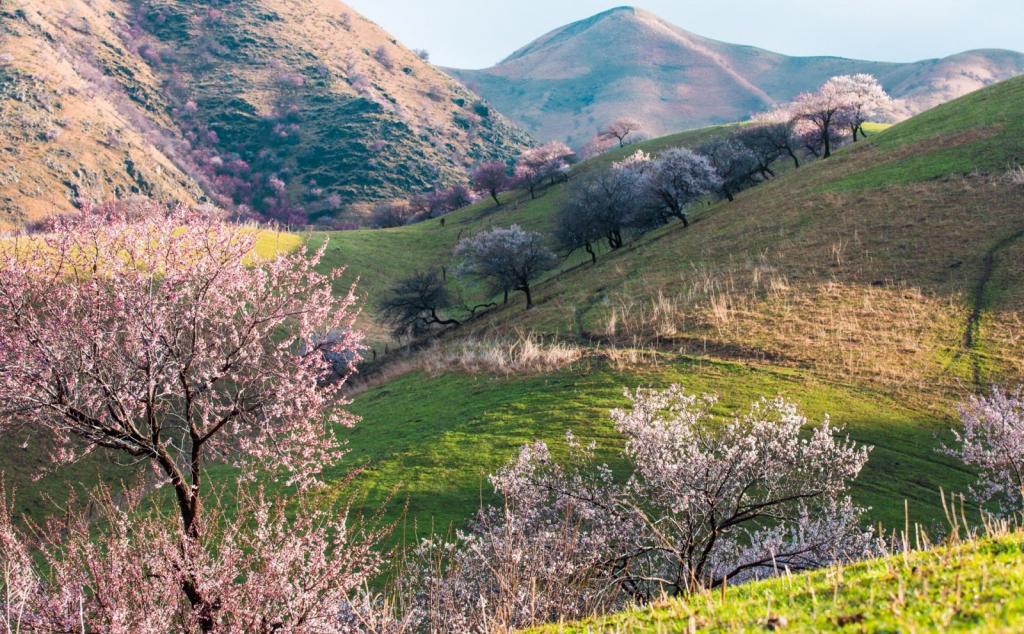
[
  {"x": 848, "y": 286},
  {"x": 293, "y": 110},
  {"x": 628, "y": 62}
]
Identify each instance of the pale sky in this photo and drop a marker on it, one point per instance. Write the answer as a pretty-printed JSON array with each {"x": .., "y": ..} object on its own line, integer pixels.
[{"x": 479, "y": 33}]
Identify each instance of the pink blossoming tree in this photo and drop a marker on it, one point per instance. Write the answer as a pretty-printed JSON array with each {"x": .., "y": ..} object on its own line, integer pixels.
[
  {"x": 491, "y": 178},
  {"x": 548, "y": 162},
  {"x": 159, "y": 335},
  {"x": 620, "y": 130}
]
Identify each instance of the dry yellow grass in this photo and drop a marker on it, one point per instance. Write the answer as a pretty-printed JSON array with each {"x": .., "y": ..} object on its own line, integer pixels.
[{"x": 874, "y": 286}]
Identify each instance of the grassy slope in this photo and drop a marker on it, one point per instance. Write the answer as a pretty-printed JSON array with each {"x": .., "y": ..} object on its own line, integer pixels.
[
  {"x": 872, "y": 335},
  {"x": 976, "y": 586},
  {"x": 377, "y": 258},
  {"x": 433, "y": 441},
  {"x": 874, "y": 285}
]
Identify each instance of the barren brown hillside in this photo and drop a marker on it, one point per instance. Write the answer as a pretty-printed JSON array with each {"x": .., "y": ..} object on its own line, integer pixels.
[{"x": 69, "y": 130}]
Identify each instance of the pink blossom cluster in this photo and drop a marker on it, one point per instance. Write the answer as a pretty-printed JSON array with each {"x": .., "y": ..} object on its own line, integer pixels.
[
  {"x": 258, "y": 569},
  {"x": 160, "y": 334},
  {"x": 549, "y": 162}
]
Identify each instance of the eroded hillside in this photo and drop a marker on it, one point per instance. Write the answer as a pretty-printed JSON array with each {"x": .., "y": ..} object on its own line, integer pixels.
[{"x": 292, "y": 110}]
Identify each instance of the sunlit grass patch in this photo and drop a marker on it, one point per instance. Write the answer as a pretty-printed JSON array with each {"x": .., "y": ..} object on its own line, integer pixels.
[
  {"x": 972, "y": 586},
  {"x": 271, "y": 242}
]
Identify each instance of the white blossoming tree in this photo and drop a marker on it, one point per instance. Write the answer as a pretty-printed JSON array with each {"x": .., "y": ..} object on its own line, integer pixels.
[
  {"x": 992, "y": 441},
  {"x": 706, "y": 503}
]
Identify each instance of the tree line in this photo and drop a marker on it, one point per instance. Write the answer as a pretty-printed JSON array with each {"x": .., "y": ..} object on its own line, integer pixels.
[{"x": 606, "y": 207}]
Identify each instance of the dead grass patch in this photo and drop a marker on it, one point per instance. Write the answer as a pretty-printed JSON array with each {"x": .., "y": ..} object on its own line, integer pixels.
[
  {"x": 893, "y": 335},
  {"x": 523, "y": 353}
]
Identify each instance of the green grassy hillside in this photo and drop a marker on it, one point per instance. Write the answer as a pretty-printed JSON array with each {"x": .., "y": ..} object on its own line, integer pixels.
[
  {"x": 854, "y": 303},
  {"x": 975, "y": 586},
  {"x": 432, "y": 441},
  {"x": 877, "y": 284},
  {"x": 379, "y": 257}
]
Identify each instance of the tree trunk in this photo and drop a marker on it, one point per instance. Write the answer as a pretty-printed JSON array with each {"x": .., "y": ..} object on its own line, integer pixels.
[
  {"x": 443, "y": 322},
  {"x": 792, "y": 155},
  {"x": 827, "y": 138},
  {"x": 529, "y": 297},
  {"x": 494, "y": 195},
  {"x": 614, "y": 239},
  {"x": 189, "y": 507},
  {"x": 506, "y": 297},
  {"x": 686, "y": 221},
  {"x": 590, "y": 250}
]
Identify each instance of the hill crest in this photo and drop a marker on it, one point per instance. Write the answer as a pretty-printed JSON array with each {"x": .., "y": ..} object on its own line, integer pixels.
[{"x": 630, "y": 62}]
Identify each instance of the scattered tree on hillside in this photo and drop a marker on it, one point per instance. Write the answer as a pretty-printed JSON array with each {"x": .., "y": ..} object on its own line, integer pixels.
[
  {"x": 544, "y": 163},
  {"x": 678, "y": 178},
  {"x": 638, "y": 162},
  {"x": 865, "y": 100},
  {"x": 825, "y": 112},
  {"x": 506, "y": 259},
  {"x": 415, "y": 304},
  {"x": 577, "y": 227},
  {"x": 601, "y": 205},
  {"x": 391, "y": 214},
  {"x": 162, "y": 339},
  {"x": 992, "y": 442},
  {"x": 706, "y": 503},
  {"x": 620, "y": 130},
  {"x": 595, "y": 146},
  {"x": 735, "y": 163},
  {"x": 458, "y": 196},
  {"x": 770, "y": 139},
  {"x": 491, "y": 178},
  {"x": 440, "y": 201}
]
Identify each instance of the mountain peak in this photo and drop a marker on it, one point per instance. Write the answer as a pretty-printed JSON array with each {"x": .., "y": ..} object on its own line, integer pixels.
[
  {"x": 629, "y": 62},
  {"x": 624, "y": 9}
]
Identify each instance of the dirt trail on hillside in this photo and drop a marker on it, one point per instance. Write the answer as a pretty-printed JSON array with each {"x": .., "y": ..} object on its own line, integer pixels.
[{"x": 972, "y": 330}]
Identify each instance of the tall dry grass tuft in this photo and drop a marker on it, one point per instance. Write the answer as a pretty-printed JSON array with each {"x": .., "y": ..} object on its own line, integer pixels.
[
  {"x": 523, "y": 353},
  {"x": 1015, "y": 175},
  {"x": 660, "y": 317}
]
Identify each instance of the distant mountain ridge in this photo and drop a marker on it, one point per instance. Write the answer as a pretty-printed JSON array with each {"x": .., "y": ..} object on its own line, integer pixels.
[{"x": 629, "y": 62}]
